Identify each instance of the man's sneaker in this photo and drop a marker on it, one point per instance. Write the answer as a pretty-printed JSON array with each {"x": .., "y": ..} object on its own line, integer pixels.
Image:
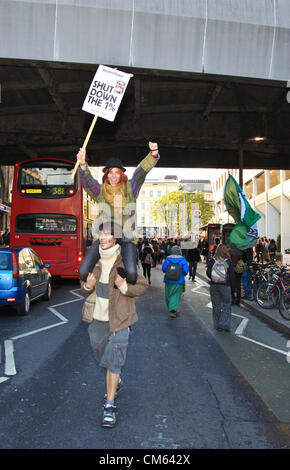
[
  {"x": 119, "y": 388},
  {"x": 109, "y": 416}
]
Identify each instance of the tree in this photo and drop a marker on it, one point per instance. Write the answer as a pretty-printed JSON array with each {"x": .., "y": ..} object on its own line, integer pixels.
[{"x": 169, "y": 209}]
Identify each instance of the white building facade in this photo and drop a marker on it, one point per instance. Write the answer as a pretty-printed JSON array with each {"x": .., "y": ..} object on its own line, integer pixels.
[
  {"x": 268, "y": 192},
  {"x": 151, "y": 191}
]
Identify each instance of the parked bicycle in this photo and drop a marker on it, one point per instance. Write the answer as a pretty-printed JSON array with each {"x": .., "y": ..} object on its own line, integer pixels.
[
  {"x": 274, "y": 283},
  {"x": 257, "y": 275},
  {"x": 284, "y": 305}
]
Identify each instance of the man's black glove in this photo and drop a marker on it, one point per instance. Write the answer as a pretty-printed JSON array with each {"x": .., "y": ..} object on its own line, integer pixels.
[{"x": 122, "y": 273}]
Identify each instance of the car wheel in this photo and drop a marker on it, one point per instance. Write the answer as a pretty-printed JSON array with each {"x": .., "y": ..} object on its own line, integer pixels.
[
  {"x": 47, "y": 295},
  {"x": 24, "y": 306}
]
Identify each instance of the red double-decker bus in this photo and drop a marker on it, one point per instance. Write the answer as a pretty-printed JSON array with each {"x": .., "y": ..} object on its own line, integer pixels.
[{"x": 48, "y": 214}]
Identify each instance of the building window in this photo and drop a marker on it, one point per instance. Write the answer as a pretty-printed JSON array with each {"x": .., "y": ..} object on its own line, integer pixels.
[
  {"x": 159, "y": 193},
  {"x": 248, "y": 189},
  {"x": 151, "y": 194},
  {"x": 143, "y": 220},
  {"x": 274, "y": 177},
  {"x": 260, "y": 180}
]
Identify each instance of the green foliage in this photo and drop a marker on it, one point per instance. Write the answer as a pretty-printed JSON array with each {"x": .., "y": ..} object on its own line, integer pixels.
[{"x": 170, "y": 208}]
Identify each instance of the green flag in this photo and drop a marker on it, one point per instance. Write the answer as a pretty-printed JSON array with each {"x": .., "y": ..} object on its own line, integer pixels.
[{"x": 245, "y": 233}]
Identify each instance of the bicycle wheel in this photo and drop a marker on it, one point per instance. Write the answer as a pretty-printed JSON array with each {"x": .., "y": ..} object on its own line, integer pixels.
[
  {"x": 267, "y": 295},
  {"x": 284, "y": 305}
]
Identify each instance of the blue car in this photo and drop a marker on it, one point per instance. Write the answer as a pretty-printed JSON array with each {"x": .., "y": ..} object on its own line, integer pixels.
[{"x": 23, "y": 278}]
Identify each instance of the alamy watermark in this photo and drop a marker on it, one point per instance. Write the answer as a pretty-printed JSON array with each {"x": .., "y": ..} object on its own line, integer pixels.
[{"x": 181, "y": 218}]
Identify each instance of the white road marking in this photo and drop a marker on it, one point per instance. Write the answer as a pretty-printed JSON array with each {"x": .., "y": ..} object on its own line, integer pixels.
[
  {"x": 10, "y": 368},
  {"x": 9, "y": 358},
  {"x": 3, "y": 379},
  {"x": 202, "y": 282},
  {"x": 264, "y": 345},
  {"x": 242, "y": 326}
]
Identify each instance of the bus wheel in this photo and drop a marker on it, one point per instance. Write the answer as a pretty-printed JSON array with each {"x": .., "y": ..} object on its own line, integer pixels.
[{"x": 24, "y": 306}]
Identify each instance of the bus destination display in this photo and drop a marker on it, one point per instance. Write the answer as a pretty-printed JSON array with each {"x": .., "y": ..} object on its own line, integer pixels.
[{"x": 48, "y": 191}]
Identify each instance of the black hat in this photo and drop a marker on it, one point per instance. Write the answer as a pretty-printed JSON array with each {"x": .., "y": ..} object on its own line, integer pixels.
[{"x": 114, "y": 163}]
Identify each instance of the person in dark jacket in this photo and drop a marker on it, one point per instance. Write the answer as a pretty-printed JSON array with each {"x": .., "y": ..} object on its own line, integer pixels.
[
  {"x": 236, "y": 255},
  {"x": 204, "y": 249},
  {"x": 146, "y": 259},
  {"x": 272, "y": 249},
  {"x": 192, "y": 257},
  {"x": 217, "y": 242},
  {"x": 260, "y": 251},
  {"x": 220, "y": 292},
  {"x": 246, "y": 278}
]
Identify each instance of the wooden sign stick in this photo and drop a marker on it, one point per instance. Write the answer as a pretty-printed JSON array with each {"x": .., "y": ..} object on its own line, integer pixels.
[{"x": 85, "y": 144}]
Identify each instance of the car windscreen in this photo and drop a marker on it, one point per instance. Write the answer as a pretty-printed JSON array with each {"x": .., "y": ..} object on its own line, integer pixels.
[{"x": 5, "y": 261}]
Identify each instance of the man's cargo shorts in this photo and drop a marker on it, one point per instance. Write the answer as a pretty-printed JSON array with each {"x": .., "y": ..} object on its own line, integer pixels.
[{"x": 110, "y": 349}]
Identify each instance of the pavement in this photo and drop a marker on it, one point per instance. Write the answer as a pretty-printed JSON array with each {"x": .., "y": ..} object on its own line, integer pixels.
[{"x": 270, "y": 316}]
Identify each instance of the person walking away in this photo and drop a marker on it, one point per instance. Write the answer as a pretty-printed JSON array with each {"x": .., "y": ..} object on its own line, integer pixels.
[
  {"x": 146, "y": 260},
  {"x": 260, "y": 251},
  {"x": 220, "y": 272},
  {"x": 162, "y": 251},
  {"x": 238, "y": 267},
  {"x": 217, "y": 242},
  {"x": 192, "y": 257},
  {"x": 168, "y": 247},
  {"x": 272, "y": 249},
  {"x": 204, "y": 249},
  {"x": 110, "y": 310},
  {"x": 155, "y": 253},
  {"x": 6, "y": 237},
  {"x": 174, "y": 288},
  {"x": 266, "y": 250}
]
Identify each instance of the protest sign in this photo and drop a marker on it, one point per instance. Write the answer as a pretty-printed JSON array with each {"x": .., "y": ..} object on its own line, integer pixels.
[
  {"x": 104, "y": 98},
  {"x": 187, "y": 245},
  {"x": 106, "y": 92}
]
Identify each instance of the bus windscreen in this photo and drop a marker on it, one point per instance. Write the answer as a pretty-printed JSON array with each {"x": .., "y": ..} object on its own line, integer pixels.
[{"x": 46, "y": 180}]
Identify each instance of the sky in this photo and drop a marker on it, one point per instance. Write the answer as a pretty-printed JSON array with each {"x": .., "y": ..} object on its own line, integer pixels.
[{"x": 181, "y": 173}]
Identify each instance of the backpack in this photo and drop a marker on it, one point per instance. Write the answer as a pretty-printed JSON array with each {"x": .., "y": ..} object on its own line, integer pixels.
[
  {"x": 240, "y": 267},
  {"x": 148, "y": 259},
  {"x": 173, "y": 272},
  {"x": 219, "y": 272}
]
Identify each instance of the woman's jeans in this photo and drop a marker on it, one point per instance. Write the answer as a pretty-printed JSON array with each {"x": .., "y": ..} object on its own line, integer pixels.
[
  {"x": 129, "y": 257},
  {"x": 221, "y": 299}
]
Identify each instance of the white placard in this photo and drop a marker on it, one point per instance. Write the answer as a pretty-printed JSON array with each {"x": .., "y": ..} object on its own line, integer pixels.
[
  {"x": 106, "y": 92},
  {"x": 187, "y": 245}
]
